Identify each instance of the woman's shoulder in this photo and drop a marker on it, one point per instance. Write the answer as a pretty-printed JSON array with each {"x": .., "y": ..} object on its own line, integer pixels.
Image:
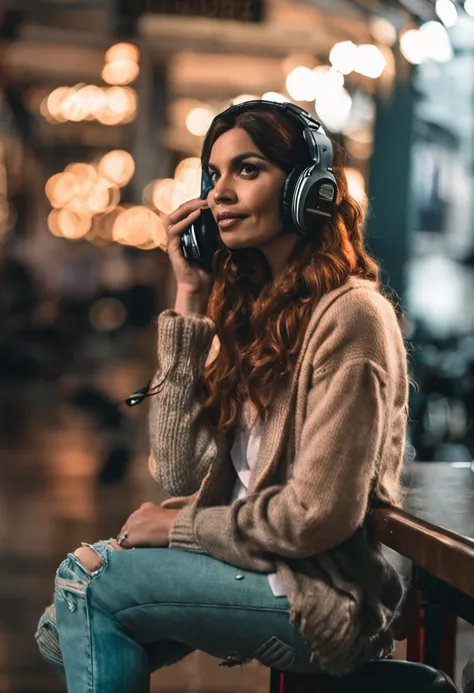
[
  {"x": 356, "y": 321},
  {"x": 358, "y": 303}
]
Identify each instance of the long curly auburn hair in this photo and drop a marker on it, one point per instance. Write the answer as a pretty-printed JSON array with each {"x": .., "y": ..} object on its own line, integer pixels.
[{"x": 261, "y": 321}]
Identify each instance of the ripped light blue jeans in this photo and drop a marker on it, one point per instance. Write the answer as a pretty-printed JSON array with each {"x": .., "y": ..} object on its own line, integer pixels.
[{"x": 148, "y": 608}]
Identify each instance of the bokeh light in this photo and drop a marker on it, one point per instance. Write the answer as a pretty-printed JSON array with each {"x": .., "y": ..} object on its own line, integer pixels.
[
  {"x": 122, "y": 51},
  {"x": 274, "y": 96},
  {"x": 199, "y": 119},
  {"x": 61, "y": 188},
  {"x": 326, "y": 81},
  {"x": 120, "y": 72},
  {"x": 447, "y": 12},
  {"x": 343, "y": 57},
  {"x": 370, "y": 61},
  {"x": 118, "y": 166},
  {"x": 94, "y": 99},
  {"x": 122, "y": 101},
  {"x": 121, "y": 64},
  {"x": 81, "y": 193},
  {"x": 74, "y": 106},
  {"x": 436, "y": 42},
  {"x": 243, "y": 98},
  {"x": 188, "y": 173},
  {"x": 383, "y": 30},
  {"x": 162, "y": 196},
  {"x": 430, "y": 42},
  {"x": 138, "y": 225},
  {"x": 73, "y": 225},
  {"x": 334, "y": 109},
  {"x": 65, "y": 223},
  {"x": 107, "y": 314},
  {"x": 356, "y": 185},
  {"x": 54, "y": 101},
  {"x": 411, "y": 46},
  {"x": 300, "y": 84},
  {"x": 469, "y": 7},
  {"x": 53, "y": 225}
]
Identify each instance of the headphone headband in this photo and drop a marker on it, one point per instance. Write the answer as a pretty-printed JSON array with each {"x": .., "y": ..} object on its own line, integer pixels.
[{"x": 321, "y": 153}]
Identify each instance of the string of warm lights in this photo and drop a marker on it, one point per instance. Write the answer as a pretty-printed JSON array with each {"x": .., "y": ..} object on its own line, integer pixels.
[
  {"x": 85, "y": 198},
  {"x": 114, "y": 105},
  {"x": 107, "y": 105}
]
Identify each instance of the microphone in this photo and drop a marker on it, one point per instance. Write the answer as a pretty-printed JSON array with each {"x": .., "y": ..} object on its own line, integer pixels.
[
  {"x": 139, "y": 395},
  {"x": 142, "y": 393}
]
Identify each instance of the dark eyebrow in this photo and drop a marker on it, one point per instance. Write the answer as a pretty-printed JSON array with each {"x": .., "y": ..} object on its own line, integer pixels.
[{"x": 239, "y": 159}]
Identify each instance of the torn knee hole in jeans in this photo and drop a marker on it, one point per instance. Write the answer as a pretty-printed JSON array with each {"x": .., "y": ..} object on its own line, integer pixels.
[{"x": 89, "y": 558}]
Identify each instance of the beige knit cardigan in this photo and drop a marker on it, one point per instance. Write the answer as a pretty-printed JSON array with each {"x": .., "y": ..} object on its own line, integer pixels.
[{"x": 332, "y": 448}]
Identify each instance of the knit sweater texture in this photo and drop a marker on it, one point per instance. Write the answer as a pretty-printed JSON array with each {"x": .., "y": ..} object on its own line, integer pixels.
[{"x": 332, "y": 450}]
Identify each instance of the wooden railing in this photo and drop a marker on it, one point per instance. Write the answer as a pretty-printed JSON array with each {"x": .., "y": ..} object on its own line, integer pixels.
[
  {"x": 441, "y": 589},
  {"x": 445, "y": 554},
  {"x": 442, "y": 583}
]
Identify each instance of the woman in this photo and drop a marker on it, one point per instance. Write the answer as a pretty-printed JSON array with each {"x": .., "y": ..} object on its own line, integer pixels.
[{"x": 274, "y": 451}]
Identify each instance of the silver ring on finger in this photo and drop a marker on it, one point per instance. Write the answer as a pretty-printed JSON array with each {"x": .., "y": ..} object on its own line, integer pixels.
[{"x": 122, "y": 538}]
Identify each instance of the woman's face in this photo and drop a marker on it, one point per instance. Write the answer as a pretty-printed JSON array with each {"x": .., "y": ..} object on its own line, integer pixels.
[{"x": 245, "y": 200}]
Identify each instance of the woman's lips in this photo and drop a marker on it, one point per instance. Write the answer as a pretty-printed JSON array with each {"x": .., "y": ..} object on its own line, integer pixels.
[{"x": 229, "y": 222}]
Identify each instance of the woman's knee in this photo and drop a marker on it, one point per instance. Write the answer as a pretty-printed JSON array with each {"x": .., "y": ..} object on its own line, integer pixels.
[
  {"x": 86, "y": 570},
  {"x": 46, "y": 634},
  {"x": 91, "y": 559}
]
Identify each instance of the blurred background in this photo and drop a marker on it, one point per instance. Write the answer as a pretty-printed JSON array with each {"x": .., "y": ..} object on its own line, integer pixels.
[{"x": 103, "y": 106}]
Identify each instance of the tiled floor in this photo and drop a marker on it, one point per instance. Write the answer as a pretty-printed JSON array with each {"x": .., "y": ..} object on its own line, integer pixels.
[{"x": 50, "y": 501}]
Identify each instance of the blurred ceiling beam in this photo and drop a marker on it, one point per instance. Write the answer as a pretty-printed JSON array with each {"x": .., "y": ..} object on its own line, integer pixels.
[
  {"x": 36, "y": 59},
  {"x": 289, "y": 28},
  {"x": 424, "y": 9},
  {"x": 236, "y": 74},
  {"x": 202, "y": 76}
]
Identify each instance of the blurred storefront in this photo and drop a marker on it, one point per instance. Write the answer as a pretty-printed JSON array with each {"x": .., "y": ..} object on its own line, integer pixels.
[{"x": 112, "y": 100}]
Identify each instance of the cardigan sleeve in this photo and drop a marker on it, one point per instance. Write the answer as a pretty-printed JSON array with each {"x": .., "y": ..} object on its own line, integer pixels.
[
  {"x": 182, "y": 444},
  {"x": 327, "y": 498}
]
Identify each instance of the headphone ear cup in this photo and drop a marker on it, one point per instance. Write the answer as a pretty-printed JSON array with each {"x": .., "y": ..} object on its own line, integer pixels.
[
  {"x": 316, "y": 198},
  {"x": 207, "y": 236},
  {"x": 286, "y": 205},
  {"x": 206, "y": 184}
]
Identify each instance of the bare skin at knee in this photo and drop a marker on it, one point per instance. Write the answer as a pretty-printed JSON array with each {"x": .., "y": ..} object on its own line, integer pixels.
[{"x": 90, "y": 559}]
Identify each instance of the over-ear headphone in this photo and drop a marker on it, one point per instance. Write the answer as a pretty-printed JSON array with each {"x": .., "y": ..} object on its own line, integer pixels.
[{"x": 309, "y": 192}]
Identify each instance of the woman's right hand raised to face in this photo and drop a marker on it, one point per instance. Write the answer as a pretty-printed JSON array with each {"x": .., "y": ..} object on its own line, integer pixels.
[{"x": 189, "y": 277}]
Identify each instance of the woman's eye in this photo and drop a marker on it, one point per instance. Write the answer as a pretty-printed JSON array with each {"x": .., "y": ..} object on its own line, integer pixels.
[
  {"x": 213, "y": 176},
  {"x": 249, "y": 170}
]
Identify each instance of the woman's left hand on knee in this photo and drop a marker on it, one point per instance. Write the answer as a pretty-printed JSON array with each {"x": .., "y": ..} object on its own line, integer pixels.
[{"x": 150, "y": 525}]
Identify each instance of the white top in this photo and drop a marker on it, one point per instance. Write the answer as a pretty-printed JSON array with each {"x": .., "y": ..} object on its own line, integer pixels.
[{"x": 244, "y": 456}]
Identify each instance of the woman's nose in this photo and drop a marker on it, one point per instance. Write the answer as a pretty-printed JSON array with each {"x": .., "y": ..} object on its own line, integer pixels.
[{"x": 223, "y": 192}]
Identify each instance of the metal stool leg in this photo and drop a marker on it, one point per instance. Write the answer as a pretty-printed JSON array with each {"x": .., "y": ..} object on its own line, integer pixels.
[
  {"x": 294, "y": 683},
  {"x": 276, "y": 681}
]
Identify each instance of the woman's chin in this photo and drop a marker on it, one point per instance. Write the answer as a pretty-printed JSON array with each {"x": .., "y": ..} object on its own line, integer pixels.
[{"x": 234, "y": 242}]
